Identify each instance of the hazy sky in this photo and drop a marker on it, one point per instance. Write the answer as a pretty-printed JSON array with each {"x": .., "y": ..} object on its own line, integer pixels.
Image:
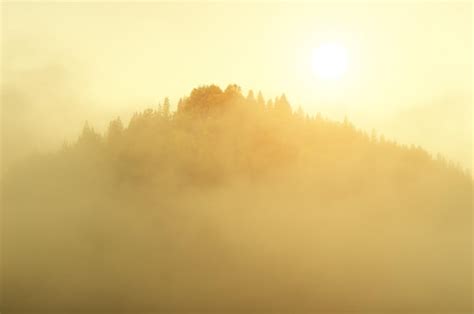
[{"x": 408, "y": 75}]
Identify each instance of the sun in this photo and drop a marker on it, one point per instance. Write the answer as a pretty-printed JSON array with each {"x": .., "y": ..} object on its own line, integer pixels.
[{"x": 330, "y": 61}]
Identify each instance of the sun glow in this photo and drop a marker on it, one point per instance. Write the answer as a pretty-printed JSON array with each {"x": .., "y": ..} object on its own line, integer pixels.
[{"x": 330, "y": 61}]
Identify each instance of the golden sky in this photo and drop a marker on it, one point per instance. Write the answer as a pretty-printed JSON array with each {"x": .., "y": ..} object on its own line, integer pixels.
[{"x": 408, "y": 64}]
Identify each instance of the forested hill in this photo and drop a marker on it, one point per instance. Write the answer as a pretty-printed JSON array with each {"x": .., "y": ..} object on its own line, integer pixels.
[
  {"x": 236, "y": 202},
  {"x": 216, "y": 135}
]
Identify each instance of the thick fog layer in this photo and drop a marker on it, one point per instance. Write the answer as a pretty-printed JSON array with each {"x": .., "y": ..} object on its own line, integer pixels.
[{"x": 236, "y": 202}]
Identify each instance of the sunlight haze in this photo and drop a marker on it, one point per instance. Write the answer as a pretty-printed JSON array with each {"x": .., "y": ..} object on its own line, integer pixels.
[
  {"x": 285, "y": 157},
  {"x": 402, "y": 59}
]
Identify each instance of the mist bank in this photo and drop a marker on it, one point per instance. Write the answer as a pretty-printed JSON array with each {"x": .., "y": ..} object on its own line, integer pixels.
[{"x": 236, "y": 202}]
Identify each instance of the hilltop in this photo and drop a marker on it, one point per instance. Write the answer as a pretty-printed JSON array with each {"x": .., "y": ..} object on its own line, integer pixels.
[{"x": 236, "y": 202}]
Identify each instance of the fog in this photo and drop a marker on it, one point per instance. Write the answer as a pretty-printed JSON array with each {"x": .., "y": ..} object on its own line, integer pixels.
[
  {"x": 354, "y": 197},
  {"x": 235, "y": 203}
]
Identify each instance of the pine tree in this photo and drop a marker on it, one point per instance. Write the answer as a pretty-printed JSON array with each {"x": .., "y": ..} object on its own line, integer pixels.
[
  {"x": 166, "y": 108},
  {"x": 115, "y": 131},
  {"x": 282, "y": 106},
  {"x": 260, "y": 101}
]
